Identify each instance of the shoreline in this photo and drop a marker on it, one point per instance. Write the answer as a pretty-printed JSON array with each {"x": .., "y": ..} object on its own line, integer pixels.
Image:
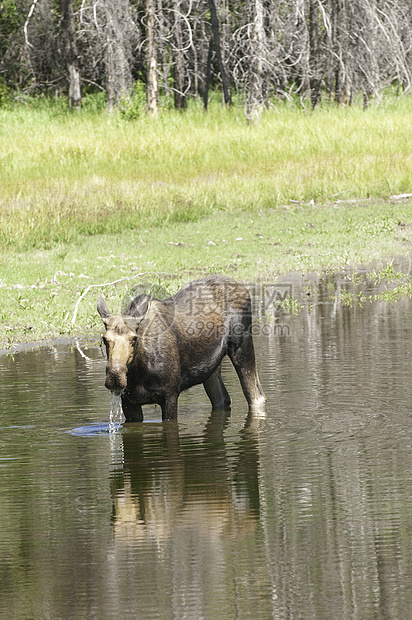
[
  {"x": 52, "y": 293},
  {"x": 301, "y": 293}
]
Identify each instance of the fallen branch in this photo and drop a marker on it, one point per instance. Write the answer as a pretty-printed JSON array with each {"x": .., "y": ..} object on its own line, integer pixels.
[
  {"x": 401, "y": 197},
  {"x": 105, "y": 284}
]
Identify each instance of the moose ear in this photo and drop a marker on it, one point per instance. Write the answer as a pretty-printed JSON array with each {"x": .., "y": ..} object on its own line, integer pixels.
[
  {"x": 102, "y": 308},
  {"x": 138, "y": 306}
]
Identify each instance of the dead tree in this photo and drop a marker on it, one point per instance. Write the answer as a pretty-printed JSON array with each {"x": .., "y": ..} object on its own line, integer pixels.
[
  {"x": 70, "y": 53},
  {"x": 179, "y": 68},
  {"x": 227, "y": 96},
  {"x": 108, "y": 36},
  {"x": 257, "y": 61},
  {"x": 152, "y": 83},
  {"x": 118, "y": 52},
  {"x": 208, "y": 74},
  {"x": 260, "y": 47},
  {"x": 315, "y": 64},
  {"x": 343, "y": 91},
  {"x": 165, "y": 63}
]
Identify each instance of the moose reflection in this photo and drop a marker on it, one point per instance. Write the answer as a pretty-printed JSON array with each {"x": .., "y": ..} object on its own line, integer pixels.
[
  {"x": 157, "y": 349},
  {"x": 166, "y": 479}
]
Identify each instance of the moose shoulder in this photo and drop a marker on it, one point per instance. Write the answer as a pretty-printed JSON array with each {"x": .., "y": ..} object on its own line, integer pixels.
[{"x": 156, "y": 349}]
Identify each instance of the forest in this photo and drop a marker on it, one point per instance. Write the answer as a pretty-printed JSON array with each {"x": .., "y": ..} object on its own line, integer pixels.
[{"x": 171, "y": 51}]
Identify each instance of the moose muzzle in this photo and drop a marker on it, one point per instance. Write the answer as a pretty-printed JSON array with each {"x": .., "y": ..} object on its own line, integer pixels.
[{"x": 116, "y": 379}]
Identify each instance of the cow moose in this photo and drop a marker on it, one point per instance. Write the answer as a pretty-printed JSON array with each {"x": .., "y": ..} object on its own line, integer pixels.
[{"x": 157, "y": 349}]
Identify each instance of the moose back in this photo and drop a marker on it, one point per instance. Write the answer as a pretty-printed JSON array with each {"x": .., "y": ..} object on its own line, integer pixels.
[{"x": 157, "y": 349}]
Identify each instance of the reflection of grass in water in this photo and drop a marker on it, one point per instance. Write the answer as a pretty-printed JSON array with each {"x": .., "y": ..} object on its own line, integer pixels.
[
  {"x": 386, "y": 276},
  {"x": 347, "y": 298},
  {"x": 293, "y": 306},
  {"x": 399, "y": 292}
]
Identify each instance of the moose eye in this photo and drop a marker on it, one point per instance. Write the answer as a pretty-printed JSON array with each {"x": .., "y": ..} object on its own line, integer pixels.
[{"x": 134, "y": 340}]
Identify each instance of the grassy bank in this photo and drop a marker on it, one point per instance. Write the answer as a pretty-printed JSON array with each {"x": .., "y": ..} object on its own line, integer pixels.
[
  {"x": 88, "y": 199},
  {"x": 48, "y": 292},
  {"x": 64, "y": 174}
]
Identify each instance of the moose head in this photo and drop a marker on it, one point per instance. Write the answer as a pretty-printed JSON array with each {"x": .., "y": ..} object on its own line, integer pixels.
[{"x": 120, "y": 339}]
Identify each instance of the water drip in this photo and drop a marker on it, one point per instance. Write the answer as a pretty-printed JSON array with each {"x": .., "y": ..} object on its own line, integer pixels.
[{"x": 116, "y": 412}]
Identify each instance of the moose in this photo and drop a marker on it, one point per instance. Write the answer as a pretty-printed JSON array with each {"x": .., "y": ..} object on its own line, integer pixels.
[{"x": 156, "y": 349}]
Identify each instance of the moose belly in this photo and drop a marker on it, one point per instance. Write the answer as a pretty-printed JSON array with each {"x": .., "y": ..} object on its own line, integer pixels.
[{"x": 200, "y": 369}]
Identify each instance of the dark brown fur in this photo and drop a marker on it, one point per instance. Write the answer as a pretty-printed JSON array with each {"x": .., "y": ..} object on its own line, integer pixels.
[{"x": 157, "y": 349}]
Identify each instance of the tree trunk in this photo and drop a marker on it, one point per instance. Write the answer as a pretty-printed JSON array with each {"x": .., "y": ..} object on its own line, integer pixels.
[
  {"x": 254, "y": 98},
  {"x": 208, "y": 75},
  {"x": 70, "y": 53},
  {"x": 341, "y": 37},
  {"x": 271, "y": 12},
  {"x": 315, "y": 80},
  {"x": 164, "y": 57},
  {"x": 152, "y": 92},
  {"x": 216, "y": 36},
  {"x": 178, "y": 65},
  {"x": 372, "y": 70},
  {"x": 117, "y": 50}
]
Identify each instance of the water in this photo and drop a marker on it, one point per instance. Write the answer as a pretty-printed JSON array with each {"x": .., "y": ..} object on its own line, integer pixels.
[
  {"x": 116, "y": 412},
  {"x": 307, "y": 514}
]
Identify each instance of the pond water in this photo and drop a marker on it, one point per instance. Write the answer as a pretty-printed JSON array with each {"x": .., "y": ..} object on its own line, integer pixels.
[{"x": 305, "y": 514}]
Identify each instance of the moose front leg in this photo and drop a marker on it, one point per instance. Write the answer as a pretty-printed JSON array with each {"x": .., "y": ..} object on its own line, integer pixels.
[
  {"x": 169, "y": 407},
  {"x": 132, "y": 412}
]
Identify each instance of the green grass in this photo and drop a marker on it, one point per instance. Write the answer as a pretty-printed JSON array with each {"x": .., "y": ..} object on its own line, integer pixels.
[
  {"x": 40, "y": 288},
  {"x": 89, "y": 198},
  {"x": 64, "y": 174}
]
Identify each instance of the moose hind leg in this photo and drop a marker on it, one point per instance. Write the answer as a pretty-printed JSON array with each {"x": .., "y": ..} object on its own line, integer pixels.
[
  {"x": 216, "y": 391},
  {"x": 243, "y": 359}
]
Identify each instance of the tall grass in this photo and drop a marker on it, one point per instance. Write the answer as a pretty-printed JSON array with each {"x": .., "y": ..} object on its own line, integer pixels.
[{"x": 64, "y": 173}]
